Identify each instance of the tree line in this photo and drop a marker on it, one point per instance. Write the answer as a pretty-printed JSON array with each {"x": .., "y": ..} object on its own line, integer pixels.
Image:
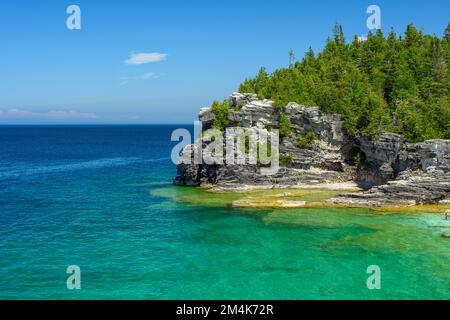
[{"x": 391, "y": 83}]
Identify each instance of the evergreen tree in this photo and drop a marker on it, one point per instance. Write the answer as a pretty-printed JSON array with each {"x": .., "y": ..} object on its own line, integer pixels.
[
  {"x": 291, "y": 58},
  {"x": 394, "y": 84},
  {"x": 447, "y": 33}
]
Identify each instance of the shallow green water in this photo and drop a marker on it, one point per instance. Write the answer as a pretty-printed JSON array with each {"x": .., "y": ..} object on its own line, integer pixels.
[
  {"x": 101, "y": 198},
  {"x": 318, "y": 253}
]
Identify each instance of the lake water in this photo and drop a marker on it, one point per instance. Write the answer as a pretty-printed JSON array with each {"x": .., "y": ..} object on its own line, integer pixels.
[{"x": 100, "y": 197}]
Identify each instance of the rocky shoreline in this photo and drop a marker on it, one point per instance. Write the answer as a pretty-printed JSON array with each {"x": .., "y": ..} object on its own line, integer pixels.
[{"x": 388, "y": 170}]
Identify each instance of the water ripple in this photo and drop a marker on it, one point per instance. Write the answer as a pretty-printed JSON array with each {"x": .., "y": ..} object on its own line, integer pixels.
[{"x": 7, "y": 173}]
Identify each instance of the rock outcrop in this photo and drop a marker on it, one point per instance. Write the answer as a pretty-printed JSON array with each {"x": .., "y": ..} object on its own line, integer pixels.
[
  {"x": 390, "y": 170},
  {"x": 410, "y": 188},
  {"x": 410, "y": 174}
]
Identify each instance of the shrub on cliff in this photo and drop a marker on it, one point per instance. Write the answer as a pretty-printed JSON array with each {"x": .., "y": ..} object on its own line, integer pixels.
[
  {"x": 306, "y": 141},
  {"x": 285, "y": 126},
  {"x": 285, "y": 159},
  {"x": 221, "y": 111}
]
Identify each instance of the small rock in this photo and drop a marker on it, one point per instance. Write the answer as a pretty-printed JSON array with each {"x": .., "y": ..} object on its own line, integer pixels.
[{"x": 446, "y": 234}]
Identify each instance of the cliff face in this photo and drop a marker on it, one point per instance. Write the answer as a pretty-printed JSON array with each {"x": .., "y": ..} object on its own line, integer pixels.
[
  {"x": 391, "y": 171},
  {"x": 409, "y": 174}
]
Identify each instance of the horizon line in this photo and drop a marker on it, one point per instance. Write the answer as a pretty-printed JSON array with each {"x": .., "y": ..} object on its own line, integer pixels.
[{"x": 92, "y": 124}]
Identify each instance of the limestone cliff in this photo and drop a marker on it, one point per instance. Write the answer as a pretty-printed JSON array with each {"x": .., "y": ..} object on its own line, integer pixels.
[{"x": 390, "y": 170}]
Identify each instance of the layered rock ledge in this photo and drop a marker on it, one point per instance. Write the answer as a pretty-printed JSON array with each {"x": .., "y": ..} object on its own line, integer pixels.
[{"x": 388, "y": 170}]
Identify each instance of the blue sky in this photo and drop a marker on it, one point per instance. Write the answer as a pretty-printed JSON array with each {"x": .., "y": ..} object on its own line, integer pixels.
[{"x": 206, "y": 48}]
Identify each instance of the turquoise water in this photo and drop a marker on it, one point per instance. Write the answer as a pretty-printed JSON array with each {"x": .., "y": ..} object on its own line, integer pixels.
[{"x": 101, "y": 198}]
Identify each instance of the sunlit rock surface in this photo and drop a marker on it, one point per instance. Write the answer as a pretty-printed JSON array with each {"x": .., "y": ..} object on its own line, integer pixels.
[{"x": 392, "y": 171}]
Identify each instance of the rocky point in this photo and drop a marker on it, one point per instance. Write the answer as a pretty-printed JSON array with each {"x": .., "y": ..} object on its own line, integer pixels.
[{"x": 388, "y": 170}]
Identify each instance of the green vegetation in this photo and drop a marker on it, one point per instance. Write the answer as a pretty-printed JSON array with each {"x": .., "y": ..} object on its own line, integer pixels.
[
  {"x": 396, "y": 84},
  {"x": 359, "y": 159},
  {"x": 285, "y": 158},
  {"x": 221, "y": 110},
  {"x": 259, "y": 146},
  {"x": 265, "y": 146},
  {"x": 307, "y": 141},
  {"x": 285, "y": 126}
]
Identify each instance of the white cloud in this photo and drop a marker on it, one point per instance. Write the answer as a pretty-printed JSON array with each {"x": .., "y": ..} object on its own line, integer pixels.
[
  {"x": 19, "y": 114},
  {"x": 143, "y": 57}
]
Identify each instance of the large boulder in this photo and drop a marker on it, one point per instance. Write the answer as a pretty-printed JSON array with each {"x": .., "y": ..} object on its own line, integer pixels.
[
  {"x": 327, "y": 127},
  {"x": 238, "y": 100},
  {"x": 433, "y": 155},
  {"x": 188, "y": 173},
  {"x": 381, "y": 156},
  {"x": 206, "y": 117},
  {"x": 258, "y": 113},
  {"x": 384, "y": 149}
]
